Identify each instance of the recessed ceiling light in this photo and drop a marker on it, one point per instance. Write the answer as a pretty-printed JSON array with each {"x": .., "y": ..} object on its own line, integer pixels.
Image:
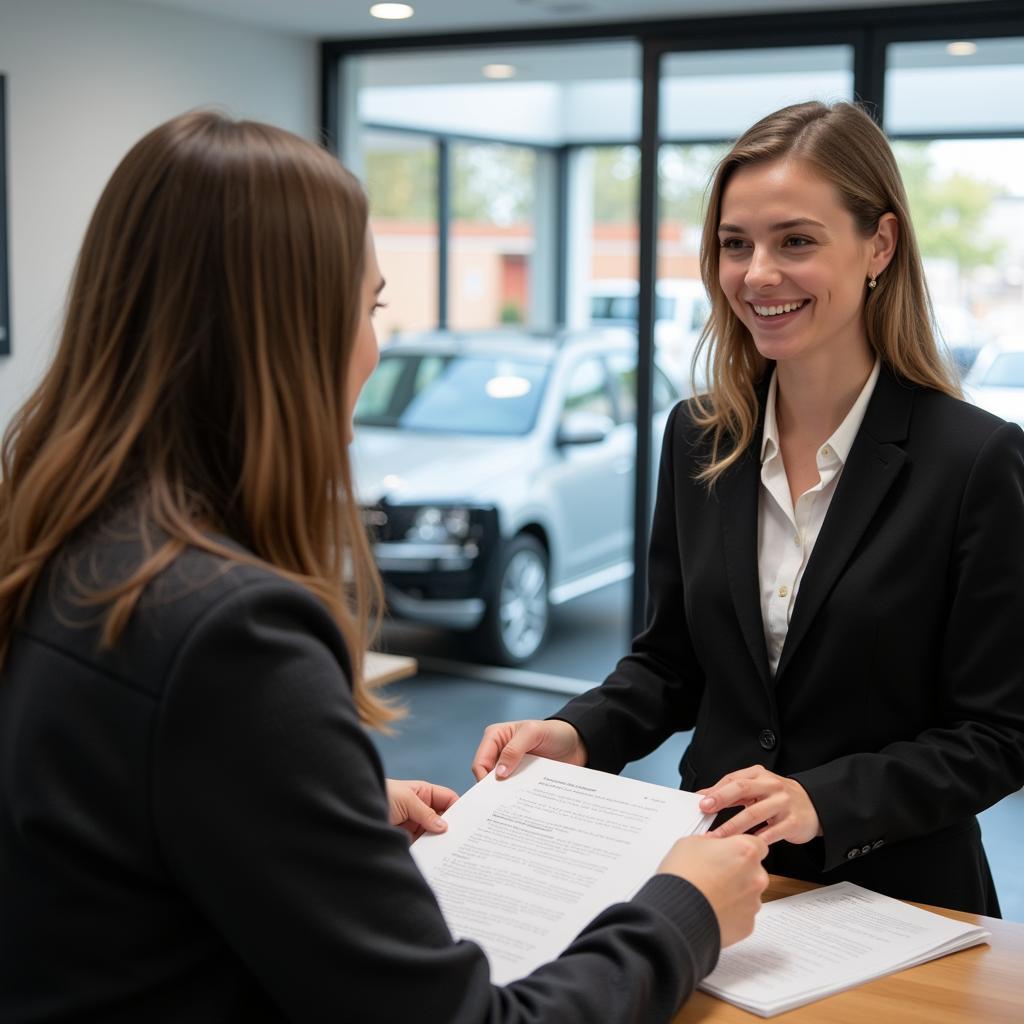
[
  {"x": 499, "y": 71},
  {"x": 962, "y": 48},
  {"x": 392, "y": 12}
]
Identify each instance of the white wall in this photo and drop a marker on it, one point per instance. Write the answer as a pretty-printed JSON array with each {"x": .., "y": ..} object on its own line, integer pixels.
[{"x": 84, "y": 81}]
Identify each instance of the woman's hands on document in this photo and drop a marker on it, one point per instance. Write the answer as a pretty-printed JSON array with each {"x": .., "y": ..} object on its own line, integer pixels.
[
  {"x": 729, "y": 875},
  {"x": 505, "y": 744},
  {"x": 780, "y": 806},
  {"x": 727, "y": 872},
  {"x": 416, "y": 805}
]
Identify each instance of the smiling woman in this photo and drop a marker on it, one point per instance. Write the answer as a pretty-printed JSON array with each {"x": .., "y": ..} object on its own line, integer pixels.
[
  {"x": 836, "y": 576},
  {"x": 833, "y": 223},
  {"x": 809, "y": 269}
]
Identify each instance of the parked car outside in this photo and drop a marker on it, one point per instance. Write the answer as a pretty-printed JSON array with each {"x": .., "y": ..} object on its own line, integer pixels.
[
  {"x": 996, "y": 380},
  {"x": 961, "y": 332},
  {"x": 681, "y": 308},
  {"x": 495, "y": 472}
]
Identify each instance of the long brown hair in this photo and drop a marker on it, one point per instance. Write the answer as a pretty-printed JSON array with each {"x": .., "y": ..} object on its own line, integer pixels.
[
  {"x": 849, "y": 150},
  {"x": 200, "y": 376}
]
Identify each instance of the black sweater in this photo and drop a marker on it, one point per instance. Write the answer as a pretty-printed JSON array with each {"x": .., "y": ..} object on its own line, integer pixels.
[{"x": 193, "y": 829}]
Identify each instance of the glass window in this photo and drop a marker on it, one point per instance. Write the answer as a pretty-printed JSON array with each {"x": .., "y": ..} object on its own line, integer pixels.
[
  {"x": 427, "y": 371},
  {"x": 954, "y": 85},
  {"x": 966, "y": 195},
  {"x": 546, "y": 94},
  {"x": 492, "y": 235},
  {"x": 623, "y": 371},
  {"x": 683, "y": 175},
  {"x": 501, "y": 260},
  {"x": 380, "y": 393},
  {"x": 400, "y": 172},
  {"x": 453, "y": 394},
  {"x": 608, "y": 250},
  {"x": 719, "y": 94},
  {"x": 967, "y": 202},
  {"x": 1006, "y": 371},
  {"x": 563, "y": 121},
  {"x": 587, "y": 390}
]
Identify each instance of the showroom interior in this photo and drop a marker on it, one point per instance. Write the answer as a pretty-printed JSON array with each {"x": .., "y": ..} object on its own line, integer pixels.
[{"x": 536, "y": 172}]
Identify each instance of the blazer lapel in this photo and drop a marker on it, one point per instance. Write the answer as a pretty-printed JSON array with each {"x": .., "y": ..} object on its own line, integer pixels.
[
  {"x": 738, "y": 490},
  {"x": 873, "y": 465}
]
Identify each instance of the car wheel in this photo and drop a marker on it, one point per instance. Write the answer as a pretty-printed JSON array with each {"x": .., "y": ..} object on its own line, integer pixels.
[{"x": 516, "y": 621}]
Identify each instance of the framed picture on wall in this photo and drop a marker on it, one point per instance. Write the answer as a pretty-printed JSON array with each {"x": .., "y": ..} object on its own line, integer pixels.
[{"x": 5, "y": 295}]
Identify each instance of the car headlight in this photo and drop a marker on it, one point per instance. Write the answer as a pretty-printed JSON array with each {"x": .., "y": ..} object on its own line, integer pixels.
[{"x": 436, "y": 524}]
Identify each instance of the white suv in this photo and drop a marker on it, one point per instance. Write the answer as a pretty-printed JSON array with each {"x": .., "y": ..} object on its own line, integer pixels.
[
  {"x": 496, "y": 474},
  {"x": 681, "y": 308}
]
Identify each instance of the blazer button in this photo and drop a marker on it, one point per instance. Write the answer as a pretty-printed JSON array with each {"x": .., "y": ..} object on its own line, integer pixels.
[
  {"x": 865, "y": 849},
  {"x": 877, "y": 843},
  {"x": 852, "y": 852},
  {"x": 767, "y": 739}
]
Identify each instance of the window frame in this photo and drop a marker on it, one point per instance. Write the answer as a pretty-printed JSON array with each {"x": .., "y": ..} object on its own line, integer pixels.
[
  {"x": 5, "y": 291},
  {"x": 868, "y": 30}
]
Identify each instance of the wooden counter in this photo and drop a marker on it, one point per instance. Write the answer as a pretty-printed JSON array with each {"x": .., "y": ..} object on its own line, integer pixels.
[
  {"x": 981, "y": 985},
  {"x": 380, "y": 668}
]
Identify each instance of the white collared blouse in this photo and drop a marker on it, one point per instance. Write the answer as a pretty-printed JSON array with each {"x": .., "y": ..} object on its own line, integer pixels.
[{"x": 786, "y": 534}]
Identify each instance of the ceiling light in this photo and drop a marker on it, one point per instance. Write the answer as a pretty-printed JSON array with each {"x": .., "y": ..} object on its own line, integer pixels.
[
  {"x": 499, "y": 71},
  {"x": 961, "y": 49},
  {"x": 392, "y": 12}
]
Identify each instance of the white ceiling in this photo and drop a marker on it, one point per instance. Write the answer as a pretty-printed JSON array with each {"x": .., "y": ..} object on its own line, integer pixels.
[{"x": 350, "y": 19}]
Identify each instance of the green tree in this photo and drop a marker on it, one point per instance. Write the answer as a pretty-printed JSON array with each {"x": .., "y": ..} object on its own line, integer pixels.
[
  {"x": 616, "y": 184},
  {"x": 683, "y": 175},
  {"x": 948, "y": 212},
  {"x": 493, "y": 184},
  {"x": 402, "y": 183}
]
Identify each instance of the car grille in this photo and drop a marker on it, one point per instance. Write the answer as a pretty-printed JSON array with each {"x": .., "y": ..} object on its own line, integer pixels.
[{"x": 387, "y": 523}]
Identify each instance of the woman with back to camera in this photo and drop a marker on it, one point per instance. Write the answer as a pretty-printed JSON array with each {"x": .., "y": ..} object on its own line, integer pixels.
[
  {"x": 194, "y": 824},
  {"x": 836, "y": 580}
]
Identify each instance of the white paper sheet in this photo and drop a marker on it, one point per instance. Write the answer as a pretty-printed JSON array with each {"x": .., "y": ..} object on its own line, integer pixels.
[
  {"x": 528, "y": 862},
  {"x": 814, "y": 944}
]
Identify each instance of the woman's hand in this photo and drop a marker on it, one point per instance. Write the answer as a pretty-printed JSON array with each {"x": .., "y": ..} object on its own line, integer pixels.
[
  {"x": 728, "y": 873},
  {"x": 504, "y": 745},
  {"x": 416, "y": 805},
  {"x": 780, "y": 806}
]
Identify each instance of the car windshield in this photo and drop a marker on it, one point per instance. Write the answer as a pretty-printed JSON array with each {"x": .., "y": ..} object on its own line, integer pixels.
[
  {"x": 1005, "y": 371},
  {"x": 620, "y": 309},
  {"x": 463, "y": 394}
]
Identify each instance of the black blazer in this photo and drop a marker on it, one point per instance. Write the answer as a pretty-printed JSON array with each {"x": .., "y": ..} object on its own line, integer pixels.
[
  {"x": 193, "y": 828},
  {"x": 899, "y": 699}
]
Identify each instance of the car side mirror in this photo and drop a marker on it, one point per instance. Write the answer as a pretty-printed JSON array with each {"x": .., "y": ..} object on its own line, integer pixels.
[{"x": 584, "y": 428}]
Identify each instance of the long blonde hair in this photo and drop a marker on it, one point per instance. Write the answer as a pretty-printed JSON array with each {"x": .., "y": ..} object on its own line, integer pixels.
[
  {"x": 200, "y": 376},
  {"x": 849, "y": 150}
]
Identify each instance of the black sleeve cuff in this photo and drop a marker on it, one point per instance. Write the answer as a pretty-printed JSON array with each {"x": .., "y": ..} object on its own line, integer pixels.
[{"x": 688, "y": 910}]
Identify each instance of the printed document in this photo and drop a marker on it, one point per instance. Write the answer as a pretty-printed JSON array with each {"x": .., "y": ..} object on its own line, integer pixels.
[
  {"x": 811, "y": 945},
  {"x": 529, "y": 862}
]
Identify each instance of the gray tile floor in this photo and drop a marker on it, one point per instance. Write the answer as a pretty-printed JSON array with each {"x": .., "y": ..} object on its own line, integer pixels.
[{"x": 448, "y": 715}]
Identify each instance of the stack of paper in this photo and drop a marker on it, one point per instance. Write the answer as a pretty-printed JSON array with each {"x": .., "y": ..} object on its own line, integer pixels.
[
  {"x": 820, "y": 942},
  {"x": 529, "y": 862}
]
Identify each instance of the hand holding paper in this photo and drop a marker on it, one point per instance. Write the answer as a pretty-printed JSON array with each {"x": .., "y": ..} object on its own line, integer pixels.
[
  {"x": 416, "y": 806},
  {"x": 527, "y": 863},
  {"x": 777, "y": 807},
  {"x": 506, "y": 743},
  {"x": 728, "y": 873}
]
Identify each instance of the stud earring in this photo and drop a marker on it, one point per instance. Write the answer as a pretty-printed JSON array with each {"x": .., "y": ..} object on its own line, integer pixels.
[{"x": 872, "y": 281}]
